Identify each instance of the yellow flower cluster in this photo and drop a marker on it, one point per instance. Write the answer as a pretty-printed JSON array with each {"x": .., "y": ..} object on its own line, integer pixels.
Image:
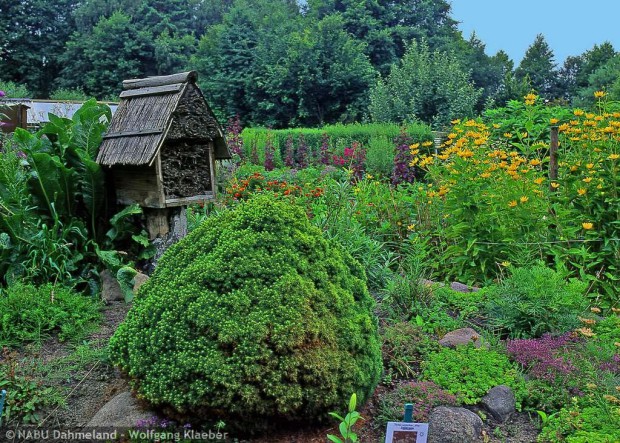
[{"x": 508, "y": 166}]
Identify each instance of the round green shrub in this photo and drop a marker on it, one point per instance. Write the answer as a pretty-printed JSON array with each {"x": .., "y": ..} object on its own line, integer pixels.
[{"x": 253, "y": 318}]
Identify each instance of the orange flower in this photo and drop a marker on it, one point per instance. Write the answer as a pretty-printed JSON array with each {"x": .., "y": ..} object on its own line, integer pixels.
[{"x": 512, "y": 204}]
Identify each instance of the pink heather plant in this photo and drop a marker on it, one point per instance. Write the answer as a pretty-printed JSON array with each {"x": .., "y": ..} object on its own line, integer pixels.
[{"x": 546, "y": 357}]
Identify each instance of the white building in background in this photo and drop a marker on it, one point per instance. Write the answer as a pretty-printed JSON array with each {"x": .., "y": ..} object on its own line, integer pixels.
[{"x": 38, "y": 110}]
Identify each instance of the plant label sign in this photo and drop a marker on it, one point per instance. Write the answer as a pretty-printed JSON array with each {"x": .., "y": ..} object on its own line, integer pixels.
[{"x": 399, "y": 432}]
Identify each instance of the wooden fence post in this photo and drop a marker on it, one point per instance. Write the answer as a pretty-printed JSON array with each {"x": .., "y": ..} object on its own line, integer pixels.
[{"x": 553, "y": 157}]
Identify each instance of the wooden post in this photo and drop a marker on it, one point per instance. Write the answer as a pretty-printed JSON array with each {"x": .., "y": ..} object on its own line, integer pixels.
[
  {"x": 157, "y": 222},
  {"x": 408, "y": 413},
  {"x": 553, "y": 157}
]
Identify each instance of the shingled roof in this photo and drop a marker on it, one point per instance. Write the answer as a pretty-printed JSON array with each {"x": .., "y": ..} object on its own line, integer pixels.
[{"x": 146, "y": 114}]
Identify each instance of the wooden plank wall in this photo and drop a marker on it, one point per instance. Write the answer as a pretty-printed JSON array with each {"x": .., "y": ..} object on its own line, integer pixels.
[{"x": 137, "y": 184}]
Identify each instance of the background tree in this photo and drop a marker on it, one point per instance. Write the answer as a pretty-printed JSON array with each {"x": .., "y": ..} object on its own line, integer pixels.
[
  {"x": 32, "y": 38},
  {"x": 116, "y": 51},
  {"x": 430, "y": 86},
  {"x": 538, "y": 66},
  {"x": 576, "y": 71},
  {"x": 387, "y": 26}
]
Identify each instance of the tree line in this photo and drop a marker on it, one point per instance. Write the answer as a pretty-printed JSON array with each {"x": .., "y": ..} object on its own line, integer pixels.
[{"x": 284, "y": 63}]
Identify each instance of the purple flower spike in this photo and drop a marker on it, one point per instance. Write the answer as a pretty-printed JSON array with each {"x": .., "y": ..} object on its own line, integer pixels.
[{"x": 2, "y": 93}]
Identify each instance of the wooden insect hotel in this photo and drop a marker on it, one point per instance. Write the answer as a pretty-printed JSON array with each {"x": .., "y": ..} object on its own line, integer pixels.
[{"x": 161, "y": 147}]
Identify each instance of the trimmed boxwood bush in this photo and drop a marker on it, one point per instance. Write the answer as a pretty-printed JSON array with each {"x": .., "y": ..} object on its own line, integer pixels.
[{"x": 253, "y": 318}]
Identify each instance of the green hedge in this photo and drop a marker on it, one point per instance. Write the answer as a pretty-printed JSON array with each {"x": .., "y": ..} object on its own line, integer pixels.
[{"x": 377, "y": 138}]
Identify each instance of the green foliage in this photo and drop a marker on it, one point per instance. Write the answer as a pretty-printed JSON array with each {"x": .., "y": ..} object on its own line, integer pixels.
[
  {"x": 268, "y": 321},
  {"x": 578, "y": 424},
  {"x": 14, "y": 90},
  {"x": 26, "y": 396},
  {"x": 534, "y": 301},
  {"x": 470, "y": 372},
  {"x": 31, "y": 314},
  {"x": 74, "y": 94},
  {"x": 433, "y": 87},
  {"x": 404, "y": 345},
  {"x": 346, "y": 423}
]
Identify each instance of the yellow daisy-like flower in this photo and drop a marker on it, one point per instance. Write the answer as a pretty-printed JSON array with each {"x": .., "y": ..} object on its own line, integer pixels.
[
  {"x": 524, "y": 199},
  {"x": 410, "y": 227},
  {"x": 586, "y": 332},
  {"x": 507, "y": 135},
  {"x": 590, "y": 165},
  {"x": 539, "y": 180},
  {"x": 614, "y": 157},
  {"x": 505, "y": 264},
  {"x": 587, "y": 225},
  {"x": 600, "y": 94},
  {"x": 414, "y": 146},
  {"x": 535, "y": 162},
  {"x": 496, "y": 126},
  {"x": 456, "y": 122},
  {"x": 427, "y": 143},
  {"x": 512, "y": 204},
  {"x": 553, "y": 121},
  {"x": 578, "y": 112},
  {"x": 591, "y": 386},
  {"x": 581, "y": 191},
  {"x": 595, "y": 310},
  {"x": 555, "y": 185},
  {"x": 587, "y": 321},
  {"x": 587, "y": 180},
  {"x": 611, "y": 399},
  {"x": 485, "y": 175}
]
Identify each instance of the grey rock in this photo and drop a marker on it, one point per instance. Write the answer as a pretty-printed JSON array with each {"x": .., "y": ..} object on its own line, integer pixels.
[
  {"x": 110, "y": 289},
  {"x": 500, "y": 402},
  {"x": 460, "y": 287},
  {"x": 463, "y": 336},
  {"x": 454, "y": 425},
  {"x": 123, "y": 411},
  {"x": 138, "y": 280}
]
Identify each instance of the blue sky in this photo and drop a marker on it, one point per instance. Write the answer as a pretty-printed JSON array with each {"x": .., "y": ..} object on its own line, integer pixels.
[{"x": 569, "y": 26}]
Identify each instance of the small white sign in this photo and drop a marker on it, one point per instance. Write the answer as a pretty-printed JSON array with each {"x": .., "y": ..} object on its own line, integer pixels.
[{"x": 399, "y": 432}]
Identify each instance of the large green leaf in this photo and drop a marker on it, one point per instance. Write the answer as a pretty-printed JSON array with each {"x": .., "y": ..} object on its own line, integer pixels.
[
  {"x": 91, "y": 182},
  {"x": 52, "y": 183},
  {"x": 89, "y": 124}
]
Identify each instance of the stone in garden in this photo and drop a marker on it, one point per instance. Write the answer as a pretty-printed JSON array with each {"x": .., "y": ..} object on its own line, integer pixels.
[
  {"x": 123, "y": 411},
  {"x": 500, "y": 402},
  {"x": 138, "y": 280},
  {"x": 110, "y": 289},
  {"x": 463, "y": 336},
  {"x": 448, "y": 424},
  {"x": 460, "y": 287}
]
